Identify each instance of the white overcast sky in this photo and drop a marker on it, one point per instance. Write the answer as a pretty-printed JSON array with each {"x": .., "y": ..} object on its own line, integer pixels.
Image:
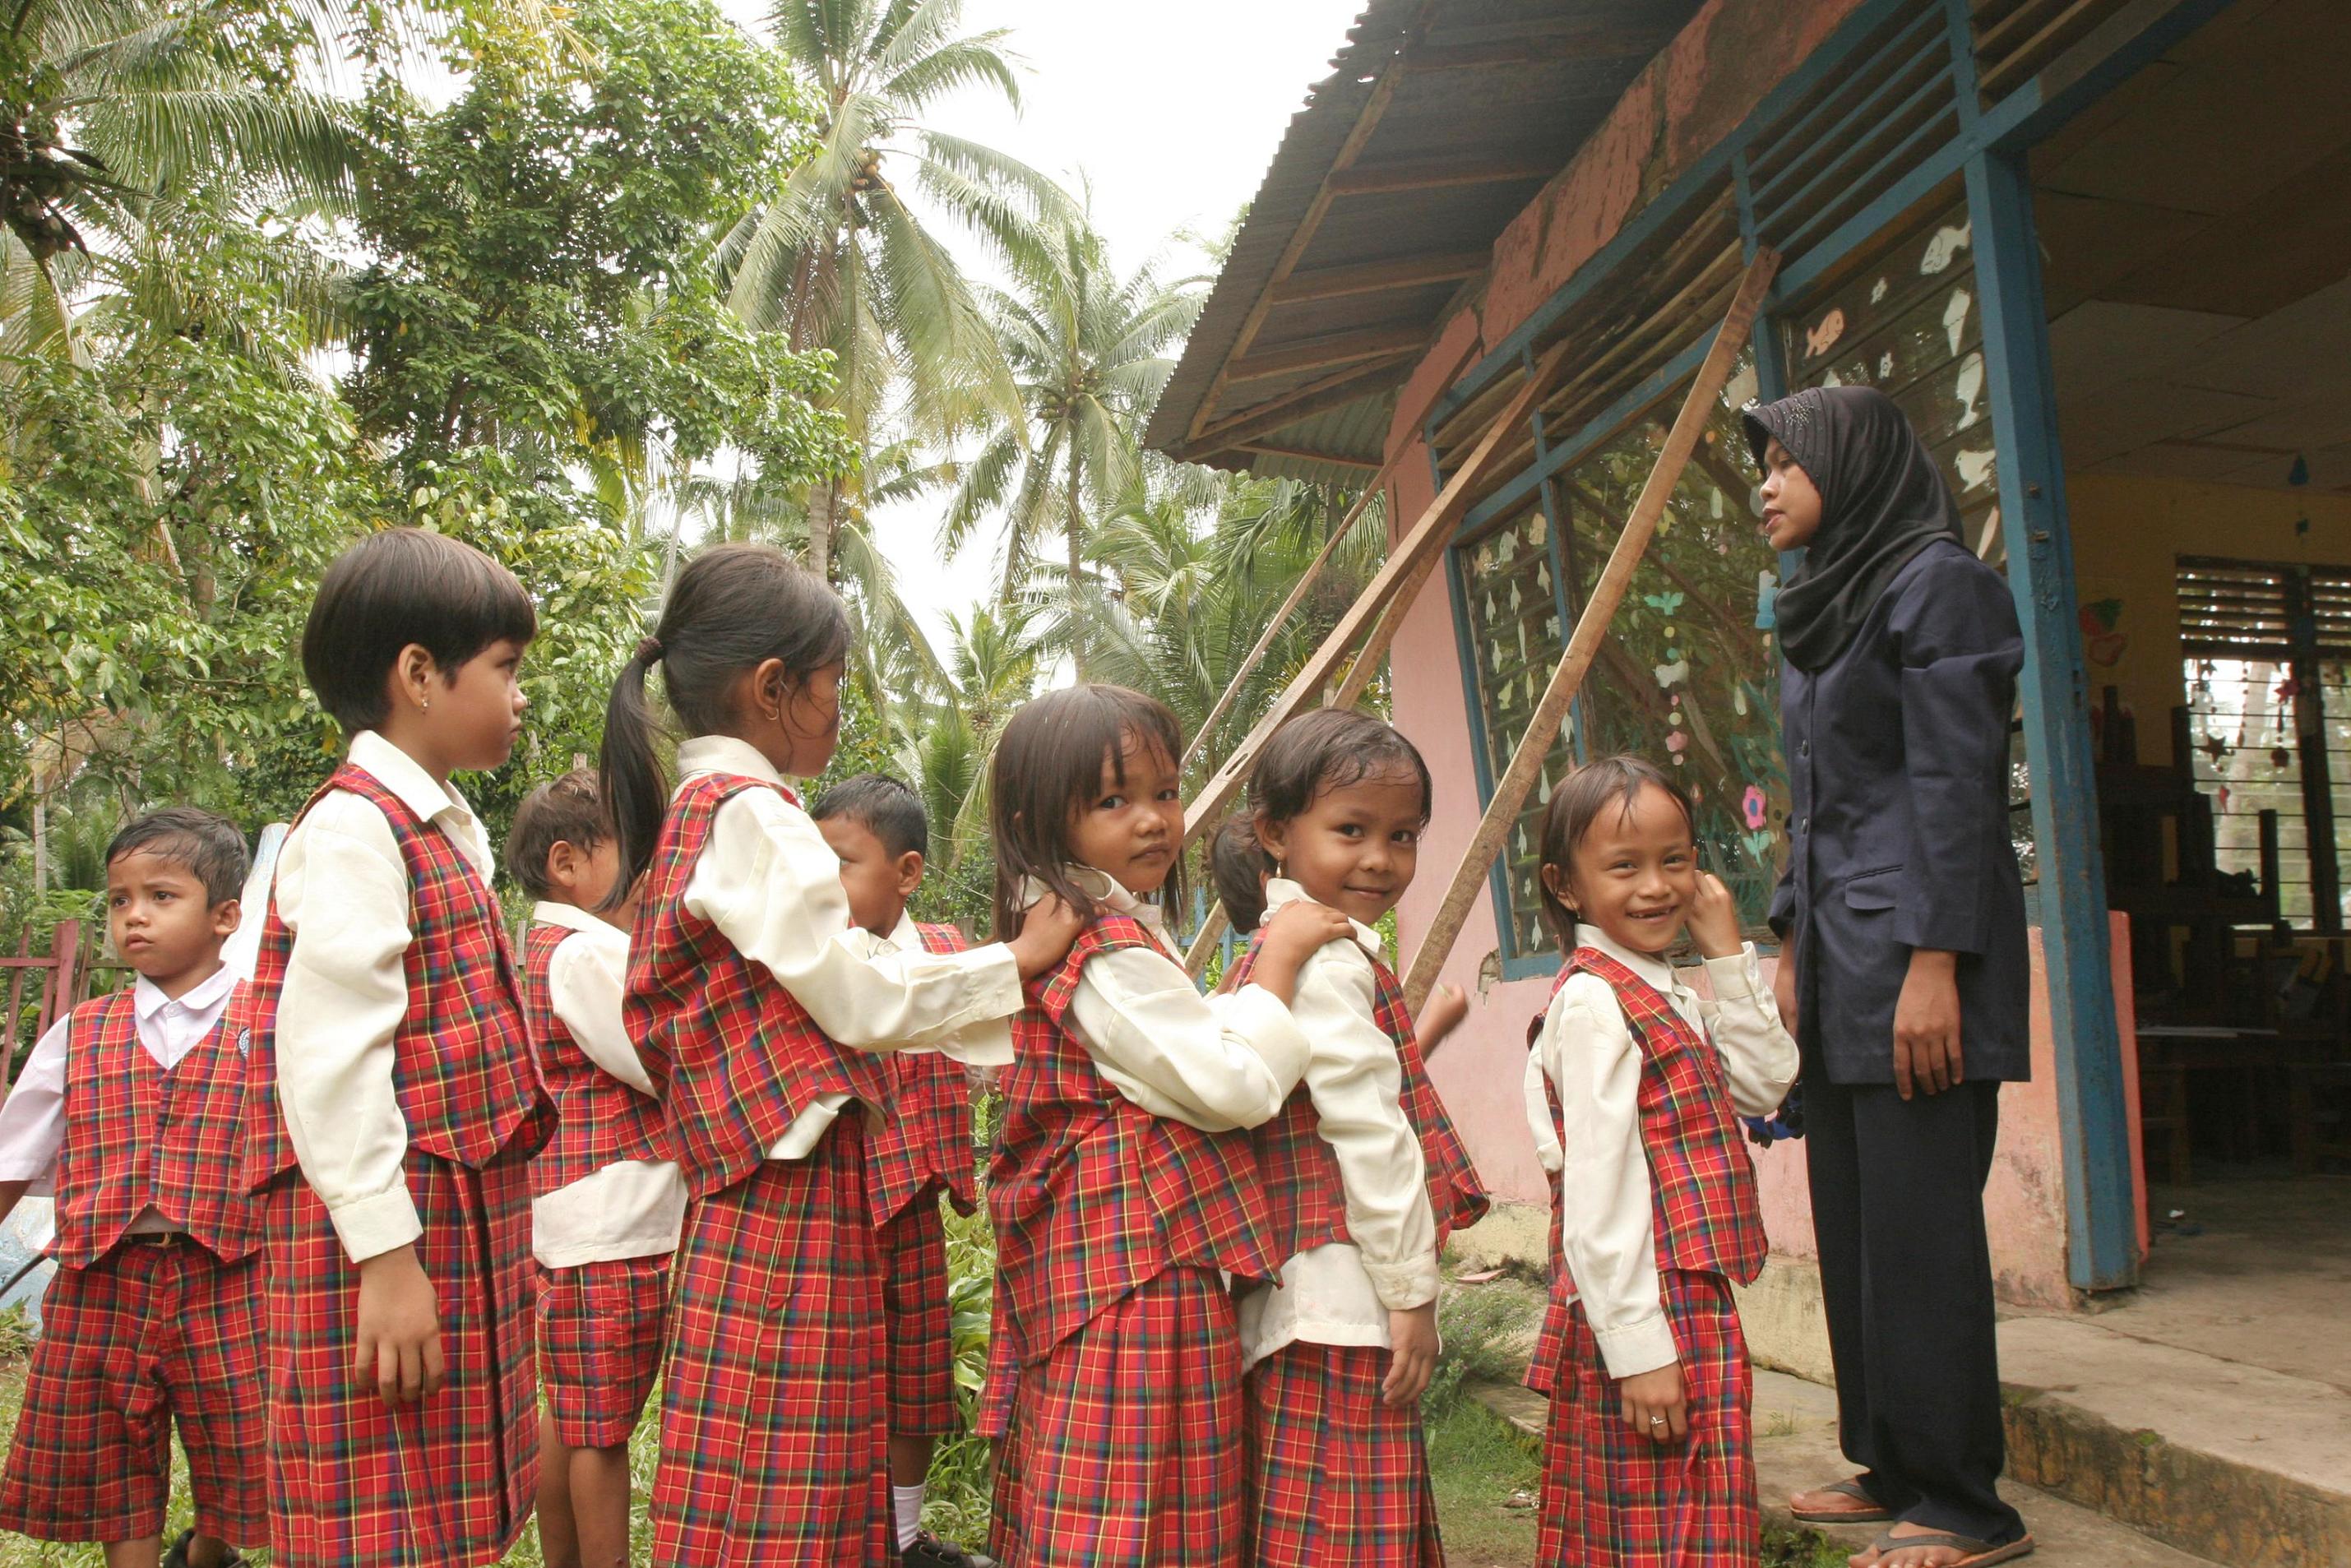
[{"x": 1170, "y": 112}]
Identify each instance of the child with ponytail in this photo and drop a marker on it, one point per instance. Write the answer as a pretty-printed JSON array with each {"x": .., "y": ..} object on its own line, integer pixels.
[{"x": 757, "y": 1013}]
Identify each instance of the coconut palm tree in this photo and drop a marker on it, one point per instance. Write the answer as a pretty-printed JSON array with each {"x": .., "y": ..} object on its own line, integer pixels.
[
  {"x": 841, "y": 260},
  {"x": 1091, "y": 351},
  {"x": 110, "y": 108}
]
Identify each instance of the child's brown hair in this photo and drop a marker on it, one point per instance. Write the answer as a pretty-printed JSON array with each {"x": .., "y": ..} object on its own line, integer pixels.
[
  {"x": 1048, "y": 766},
  {"x": 1578, "y": 802},
  {"x": 561, "y": 810}
]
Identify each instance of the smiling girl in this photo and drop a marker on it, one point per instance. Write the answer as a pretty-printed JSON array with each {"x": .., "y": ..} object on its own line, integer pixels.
[
  {"x": 1648, "y": 1462},
  {"x": 1124, "y": 1188}
]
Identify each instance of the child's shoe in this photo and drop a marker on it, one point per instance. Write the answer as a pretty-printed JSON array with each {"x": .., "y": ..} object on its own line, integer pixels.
[
  {"x": 178, "y": 1556},
  {"x": 929, "y": 1551}
]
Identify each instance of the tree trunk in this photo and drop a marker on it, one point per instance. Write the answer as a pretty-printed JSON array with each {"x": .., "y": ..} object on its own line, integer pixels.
[
  {"x": 823, "y": 499},
  {"x": 1077, "y": 569},
  {"x": 40, "y": 844}
]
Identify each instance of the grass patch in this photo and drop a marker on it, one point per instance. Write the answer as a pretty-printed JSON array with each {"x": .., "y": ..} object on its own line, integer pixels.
[{"x": 1485, "y": 1477}]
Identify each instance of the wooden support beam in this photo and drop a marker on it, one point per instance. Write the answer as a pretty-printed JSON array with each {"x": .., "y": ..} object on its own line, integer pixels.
[
  {"x": 1319, "y": 396},
  {"x": 1302, "y": 455},
  {"x": 1212, "y": 931},
  {"x": 1378, "y": 276},
  {"x": 1409, "y": 559},
  {"x": 1331, "y": 349},
  {"x": 1510, "y": 790},
  {"x": 1436, "y": 173},
  {"x": 1588, "y": 41}
]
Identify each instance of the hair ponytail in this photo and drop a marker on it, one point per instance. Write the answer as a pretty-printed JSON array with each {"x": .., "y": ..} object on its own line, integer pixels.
[
  {"x": 732, "y": 608},
  {"x": 629, "y": 772}
]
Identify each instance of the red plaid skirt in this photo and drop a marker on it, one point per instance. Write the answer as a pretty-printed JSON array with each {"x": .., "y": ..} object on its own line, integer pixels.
[
  {"x": 913, "y": 1248},
  {"x": 600, "y": 1341},
  {"x": 143, "y": 1338},
  {"x": 1126, "y": 1447},
  {"x": 1337, "y": 1476},
  {"x": 352, "y": 1479},
  {"x": 772, "y": 1442},
  {"x": 993, "y": 1420},
  {"x": 1609, "y": 1494}
]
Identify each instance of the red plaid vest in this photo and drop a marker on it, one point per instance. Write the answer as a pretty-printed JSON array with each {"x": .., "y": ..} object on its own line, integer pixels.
[
  {"x": 1701, "y": 1182},
  {"x": 734, "y": 1056},
  {"x": 137, "y": 1135},
  {"x": 1302, "y": 1187},
  {"x": 599, "y": 1120},
  {"x": 1090, "y": 1195},
  {"x": 927, "y": 1144},
  {"x": 461, "y": 1065}
]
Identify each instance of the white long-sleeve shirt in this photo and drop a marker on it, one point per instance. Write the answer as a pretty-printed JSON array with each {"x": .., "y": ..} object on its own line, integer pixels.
[
  {"x": 1342, "y": 1293},
  {"x": 343, "y": 892},
  {"x": 630, "y": 1208},
  {"x": 1587, "y": 1050},
  {"x": 771, "y": 885},
  {"x": 33, "y": 1122},
  {"x": 1217, "y": 1063}
]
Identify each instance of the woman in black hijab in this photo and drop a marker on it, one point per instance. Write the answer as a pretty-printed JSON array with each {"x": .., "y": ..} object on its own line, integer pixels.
[{"x": 1902, "y": 970}]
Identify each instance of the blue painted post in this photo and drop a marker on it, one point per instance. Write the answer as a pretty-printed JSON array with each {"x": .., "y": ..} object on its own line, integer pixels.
[{"x": 2093, "y": 1116}]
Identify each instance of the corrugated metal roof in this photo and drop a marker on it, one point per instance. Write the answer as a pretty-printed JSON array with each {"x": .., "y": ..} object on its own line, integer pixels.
[{"x": 1474, "y": 104}]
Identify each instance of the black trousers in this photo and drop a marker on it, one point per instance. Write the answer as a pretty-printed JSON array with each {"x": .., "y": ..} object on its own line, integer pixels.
[{"x": 1906, "y": 1275}]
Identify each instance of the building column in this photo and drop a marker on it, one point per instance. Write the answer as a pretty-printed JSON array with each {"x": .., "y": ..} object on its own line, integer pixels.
[{"x": 2093, "y": 1115}]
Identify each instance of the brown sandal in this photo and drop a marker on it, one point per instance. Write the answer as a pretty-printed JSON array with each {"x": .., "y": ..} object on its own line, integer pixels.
[
  {"x": 1868, "y": 1511},
  {"x": 1975, "y": 1553}
]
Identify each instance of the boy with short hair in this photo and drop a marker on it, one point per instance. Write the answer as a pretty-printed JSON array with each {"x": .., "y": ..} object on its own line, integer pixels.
[
  {"x": 876, "y": 825},
  {"x": 130, "y": 1109},
  {"x": 605, "y": 1214}
]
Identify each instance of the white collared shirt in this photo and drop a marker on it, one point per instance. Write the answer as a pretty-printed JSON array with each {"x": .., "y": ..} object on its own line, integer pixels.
[
  {"x": 771, "y": 885},
  {"x": 33, "y": 1122},
  {"x": 343, "y": 892},
  {"x": 1342, "y": 1293},
  {"x": 1586, "y": 1048},
  {"x": 1217, "y": 1063},
  {"x": 630, "y": 1208}
]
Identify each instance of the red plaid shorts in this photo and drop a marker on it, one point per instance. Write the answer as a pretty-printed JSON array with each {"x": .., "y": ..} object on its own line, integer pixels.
[
  {"x": 600, "y": 1344},
  {"x": 1337, "y": 1476},
  {"x": 1126, "y": 1448},
  {"x": 1611, "y": 1495},
  {"x": 772, "y": 1442},
  {"x": 145, "y": 1337},
  {"x": 448, "y": 1481},
  {"x": 921, "y": 1332}
]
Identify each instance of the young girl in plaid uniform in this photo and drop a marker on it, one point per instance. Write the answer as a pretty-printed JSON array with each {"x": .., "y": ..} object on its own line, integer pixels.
[
  {"x": 393, "y": 1103},
  {"x": 759, "y": 1015},
  {"x": 1648, "y": 1461},
  {"x": 131, "y": 1107},
  {"x": 1124, "y": 1181},
  {"x": 605, "y": 1210},
  {"x": 1364, "y": 1174},
  {"x": 877, "y": 826}
]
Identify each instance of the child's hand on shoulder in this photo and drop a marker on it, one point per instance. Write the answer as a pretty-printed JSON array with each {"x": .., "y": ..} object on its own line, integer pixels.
[
  {"x": 1295, "y": 933},
  {"x": 1046, "y": 933},
  {"x": 1440, "y": 1015},
  {"x": 1714, "y": 919}
]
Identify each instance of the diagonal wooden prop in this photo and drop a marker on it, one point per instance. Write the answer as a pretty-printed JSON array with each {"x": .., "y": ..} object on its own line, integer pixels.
[
  {"x": 1526, "y": 762},
  {"x": 1388, "y": 596}
]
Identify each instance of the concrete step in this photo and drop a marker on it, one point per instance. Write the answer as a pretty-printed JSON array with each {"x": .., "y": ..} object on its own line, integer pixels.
[
  {"x": 2244, "y": 1464},
  {"x": 1796, "y": 1447}
]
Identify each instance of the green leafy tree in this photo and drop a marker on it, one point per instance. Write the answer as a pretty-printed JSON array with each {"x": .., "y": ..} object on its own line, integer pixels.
[
  {"x": 840, "y": 256},
  {"x": 1091, "y": 351}
]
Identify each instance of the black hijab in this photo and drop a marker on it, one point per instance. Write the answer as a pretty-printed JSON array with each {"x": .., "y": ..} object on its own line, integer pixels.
[{"x": 1882, "y": 500}]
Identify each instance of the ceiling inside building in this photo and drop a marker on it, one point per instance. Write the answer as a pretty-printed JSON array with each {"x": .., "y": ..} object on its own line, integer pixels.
[{"x": 2196, "y": 227}]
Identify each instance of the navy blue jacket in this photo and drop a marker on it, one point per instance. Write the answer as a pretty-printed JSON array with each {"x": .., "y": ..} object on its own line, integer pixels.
[{"x": 1898, "y": 770}]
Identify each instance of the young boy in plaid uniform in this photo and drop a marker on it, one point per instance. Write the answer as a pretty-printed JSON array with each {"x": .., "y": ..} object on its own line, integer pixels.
[
  {"x": 876, "y": 826},
  {"x": 763, "y": 1018},
  {"x": 395, "y": 1104},
  {"x": 128, "y": 1111},
  {"x": 605, "y": 1212},
  {"x": 1649, "y": 1461}
]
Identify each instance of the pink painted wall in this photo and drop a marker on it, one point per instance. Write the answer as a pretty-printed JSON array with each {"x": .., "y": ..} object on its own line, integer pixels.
[{"x": 1698, "y": 89}]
